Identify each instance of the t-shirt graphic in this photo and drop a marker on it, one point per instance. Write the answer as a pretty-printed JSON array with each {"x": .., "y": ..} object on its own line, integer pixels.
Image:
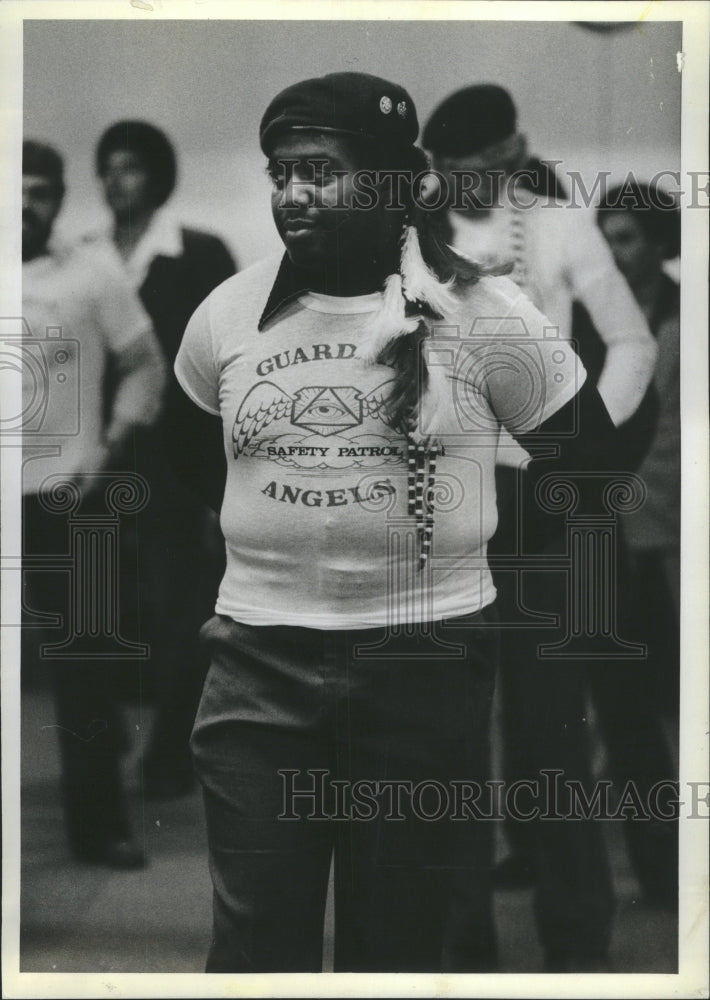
[
  {"x": 315, "y": 517},
  {"x": 328, "y": 422}
]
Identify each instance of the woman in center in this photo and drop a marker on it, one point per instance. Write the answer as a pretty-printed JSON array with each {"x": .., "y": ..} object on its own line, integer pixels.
[{"x": 356, "y": 386}]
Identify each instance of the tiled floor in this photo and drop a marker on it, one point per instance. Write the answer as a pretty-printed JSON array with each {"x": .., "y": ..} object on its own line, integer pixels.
[{"x": 76, "y": 918}]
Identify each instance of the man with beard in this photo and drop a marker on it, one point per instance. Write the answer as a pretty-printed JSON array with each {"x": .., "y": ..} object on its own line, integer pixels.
[
  {"x": 515, "y": 216},
  {"x": 100, "y": 321}
]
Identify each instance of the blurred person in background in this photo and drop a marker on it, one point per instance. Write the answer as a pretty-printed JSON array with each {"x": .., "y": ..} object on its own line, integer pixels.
[
  {"x": 633, "y": 700},
  {"x": 172, "y": 268},
  {"x": 91, "y": 303},
  {"x": 642, "y": 228},
  {"x": 556, "y": 252},
  {"x": 506, "y": 207}
]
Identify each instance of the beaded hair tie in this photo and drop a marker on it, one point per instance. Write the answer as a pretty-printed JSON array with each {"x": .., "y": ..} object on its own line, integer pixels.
[
  {"x": 421, "y": 468},
  {"x": 415, "y": 284},
  {"x": 518, "y": 248}
]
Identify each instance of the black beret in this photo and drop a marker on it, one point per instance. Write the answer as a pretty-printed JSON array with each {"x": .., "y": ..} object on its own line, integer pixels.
[
  {"x": 41, "y": 160},
  {"x": 470, "y": 120},
  {"x": 348, "y": 103}
]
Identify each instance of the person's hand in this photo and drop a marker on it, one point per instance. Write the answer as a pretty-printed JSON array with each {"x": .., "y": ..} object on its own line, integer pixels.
[
  {"x": 118, "y": 439},
  {"x": 88, "y": 481}
]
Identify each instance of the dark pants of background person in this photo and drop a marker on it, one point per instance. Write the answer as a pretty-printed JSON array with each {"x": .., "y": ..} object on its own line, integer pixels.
[
  {"x": 631, "y": 698},
  {"x": 87, "y": 694},
  {"x": 179, "y": 553},
  {"x": 545, "y": 727},
  {"x": 410, "y": 894}
]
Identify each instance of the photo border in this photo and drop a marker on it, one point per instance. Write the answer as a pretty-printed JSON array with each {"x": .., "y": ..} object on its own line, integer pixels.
[{"x": 692, "y": 978}]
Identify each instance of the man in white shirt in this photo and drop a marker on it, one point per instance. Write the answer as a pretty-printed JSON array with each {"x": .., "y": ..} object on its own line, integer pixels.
[
  {"x": 506, "y": 209},
  {"x": 95, "y": 321},
  {"x": 557, "y": 252}
]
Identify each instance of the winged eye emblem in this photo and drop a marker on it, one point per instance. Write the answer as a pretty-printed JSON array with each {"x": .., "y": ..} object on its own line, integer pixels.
[
  {"x": 320, "y": 409},
  {"x": 327, "y": 410}
]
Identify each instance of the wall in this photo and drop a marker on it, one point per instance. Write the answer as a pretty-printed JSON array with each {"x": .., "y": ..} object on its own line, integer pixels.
[{"x": 593, "y": 100}]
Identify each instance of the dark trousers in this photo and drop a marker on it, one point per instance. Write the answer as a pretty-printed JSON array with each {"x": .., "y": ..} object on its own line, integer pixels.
[
  {"x": 545, "y": 705},
  {"x": 412, "y": 887},
  {"x": 545, "y": 725},
  {"x": 631, "y": 698},
  {"x": 178, "y": 552},
  {"x": 545, "y": 728},
  {"x": 87, "y": 697}
]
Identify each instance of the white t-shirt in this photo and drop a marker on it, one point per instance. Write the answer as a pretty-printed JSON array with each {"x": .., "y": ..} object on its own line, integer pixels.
[
  {"x": 79, "y": 310},
  {"x": 315, "y": 509}
]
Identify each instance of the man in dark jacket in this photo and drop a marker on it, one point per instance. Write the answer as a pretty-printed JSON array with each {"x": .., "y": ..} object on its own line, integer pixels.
[{"x": 172, "y": 268}]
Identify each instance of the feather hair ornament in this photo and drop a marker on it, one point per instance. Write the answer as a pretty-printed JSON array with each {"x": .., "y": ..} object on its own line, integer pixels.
[
  {"x": 389, "y": 322},
  {"x": 415, "y": 283},
  {"x": 433, "y": 405},
  {"x": 419, "y": 282}
]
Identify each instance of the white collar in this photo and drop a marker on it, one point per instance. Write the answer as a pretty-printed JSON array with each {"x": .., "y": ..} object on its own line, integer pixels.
[
  {"x": 163, "y": 238},
  {"x": 343, "y": 304}
]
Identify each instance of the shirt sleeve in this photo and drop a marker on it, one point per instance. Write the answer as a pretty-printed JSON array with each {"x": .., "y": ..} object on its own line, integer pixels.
[
  {"x": 128, "y": 331},
  {"x": 599, "y": 285},
  {"x": 195, "y": 367},
  {"x": 529, "y": 372},
  {"x": 120, "y": 312}
]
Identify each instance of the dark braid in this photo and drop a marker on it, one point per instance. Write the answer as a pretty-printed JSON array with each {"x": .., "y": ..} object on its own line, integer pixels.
[
  {"x": 411, "y": 378},
  {"x": 428, "y": 269}
]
